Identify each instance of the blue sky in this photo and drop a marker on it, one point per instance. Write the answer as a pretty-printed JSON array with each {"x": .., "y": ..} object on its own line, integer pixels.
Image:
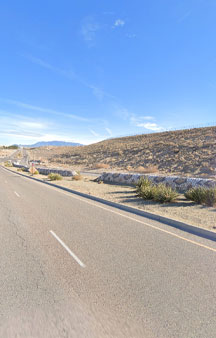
[{"x": 84, "y": 71}]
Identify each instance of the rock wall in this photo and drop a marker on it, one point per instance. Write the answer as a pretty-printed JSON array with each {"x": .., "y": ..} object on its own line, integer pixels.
[
  {"x": 18, "y": 165},
  {"x": 47, "y": 171},
  {"x": 179, "y": 183},
  {"x": 62, "y": 172}
]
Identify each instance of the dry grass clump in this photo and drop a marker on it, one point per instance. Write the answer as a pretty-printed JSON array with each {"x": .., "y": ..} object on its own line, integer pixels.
[
  {"x": 158, "y": 193},
  {"x": 164, "y": 194},
  {"x": 54, "y": 177},
  {"x": 147, "y": 170},
  {"x": 129, "y": 168},
  {"x": 21, "y": 169},
  {"x": 201, "y": 195},
  {"x": 77, "y": 177},
  {"x": 8, "y": 164},
  {"x": 101, "y": 166}
]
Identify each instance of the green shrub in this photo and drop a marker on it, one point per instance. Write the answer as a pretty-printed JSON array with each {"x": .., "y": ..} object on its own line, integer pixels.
[
  {"x": 14, "y": 146},
  {"x": 8, "y": 164},
  {"x": 159, "y": 193},
  {"x": 210, "y": 199},
  {"x": 147, "y": 192},
  {"x": 197, "y": 195},
  {"x": 164, "y": 194},
  {"x": 143, "y": 183},
  {"x": 202, "y": 195},
  {"x": 54, "y": 177},
  {"x": 36, "y": 172},
  {"x": 21, "y": 169}
]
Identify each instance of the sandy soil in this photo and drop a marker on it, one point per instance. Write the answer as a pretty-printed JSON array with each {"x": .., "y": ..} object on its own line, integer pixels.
[
  {"x": 189, "y": 152},
  {"x": 181, "y": 210},
  {"x": 6, "y": 152}
]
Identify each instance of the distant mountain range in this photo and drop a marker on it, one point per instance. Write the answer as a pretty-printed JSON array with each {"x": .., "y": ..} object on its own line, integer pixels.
[{"x": 51, "y": 143}]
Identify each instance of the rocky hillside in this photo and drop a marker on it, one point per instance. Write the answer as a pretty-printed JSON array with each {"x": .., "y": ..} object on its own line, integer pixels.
[{"x": 185, "y": 152}]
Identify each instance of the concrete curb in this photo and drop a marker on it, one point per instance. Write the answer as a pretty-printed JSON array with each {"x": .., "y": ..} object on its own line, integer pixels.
[{"x": 201, "y": 232}]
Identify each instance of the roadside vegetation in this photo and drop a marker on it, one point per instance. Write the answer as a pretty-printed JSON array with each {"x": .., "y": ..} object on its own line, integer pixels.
[
  {"x": 200, "y": 195},
  {"x": 21, "y": 169},
  {"x": 8, "y": 164},
  {"x": 14, "y": 146},
  {"x": 158, "y": 193},
  {"x": 145, "y": 170},
  {"x": 77, "y": 177},
  {"x": 54, "y": 177},
  {"x": 164, "y": 194},
  {"x": 101, "y": 166}
]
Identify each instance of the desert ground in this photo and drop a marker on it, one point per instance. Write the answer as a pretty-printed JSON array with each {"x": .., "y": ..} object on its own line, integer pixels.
[
  {"x": 6, "y": 152},
  {"x": 189, "y": 152}
]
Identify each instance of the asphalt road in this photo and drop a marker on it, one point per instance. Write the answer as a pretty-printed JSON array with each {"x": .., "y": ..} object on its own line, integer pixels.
[{"x": 71, "y": 267}]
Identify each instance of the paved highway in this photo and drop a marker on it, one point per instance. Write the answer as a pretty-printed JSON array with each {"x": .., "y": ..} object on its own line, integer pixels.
[{"x": 71, "y": 267}]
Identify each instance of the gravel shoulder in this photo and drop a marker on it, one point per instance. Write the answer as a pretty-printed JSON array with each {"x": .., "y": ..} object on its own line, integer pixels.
[{"x": 181, "y": 210}]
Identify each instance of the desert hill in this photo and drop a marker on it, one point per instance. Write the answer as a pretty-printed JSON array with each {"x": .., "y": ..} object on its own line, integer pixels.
[{"x": 185, "y": 152}]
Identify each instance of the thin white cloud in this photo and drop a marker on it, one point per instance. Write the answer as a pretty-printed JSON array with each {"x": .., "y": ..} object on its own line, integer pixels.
[
  {"x": 69, "y": 74},
  {"x": 147, "y": 117},
  {"x": 31, "y": 130},
  {"x": 109, "y": 131},
  {"x": 23, "y": 127},
  {"x": 121, "y": 112},
  {"x": 150, "y": 126},
  {"x": 138, "y": 119},
  {"x": 119, "y": 23},
  {"x": 56, "y": 137},
  {"x": 94, "y": 133},
  {"x": 33, "y": 125},
  {"x": 185, "y": 16},
  {"x": 44, "y": 110},
  {"x": 96, "y": 91},
  {"x": 88, "y": 30},
  {"x": 131, "y": 36}
]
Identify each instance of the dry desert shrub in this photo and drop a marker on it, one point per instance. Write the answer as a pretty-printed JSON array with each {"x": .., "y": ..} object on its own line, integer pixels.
[
  {"x": 202, "y": 195},
  {"x": 147, "y": 170},
  {"x": 101, "y": 166},
  {"x": 129, "y": 168},
  {"x": 77, "y": 177},
  {"x": 21, "y": 169},
  {"x": 8, "y": 164},
  {"x": 158, "y": 193},
  {"x": 54, "y": 177}
]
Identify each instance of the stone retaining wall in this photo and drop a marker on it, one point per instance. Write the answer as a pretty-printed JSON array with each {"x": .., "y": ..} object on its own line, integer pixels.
[
  {"x": 47, "y": 171},
  {"x": 62, "y": 172},
  {"x": 18, "y": 165},
  {"x": 179, "y": 183}
]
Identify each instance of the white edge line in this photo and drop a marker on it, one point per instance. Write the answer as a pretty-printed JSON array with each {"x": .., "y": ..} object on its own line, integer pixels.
[
  {"x": 68, "y": 250},
  {"x": 138, "y": 221},
  {"x": 126, "y": 216},
  {"x": 16, "y": 194}
]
